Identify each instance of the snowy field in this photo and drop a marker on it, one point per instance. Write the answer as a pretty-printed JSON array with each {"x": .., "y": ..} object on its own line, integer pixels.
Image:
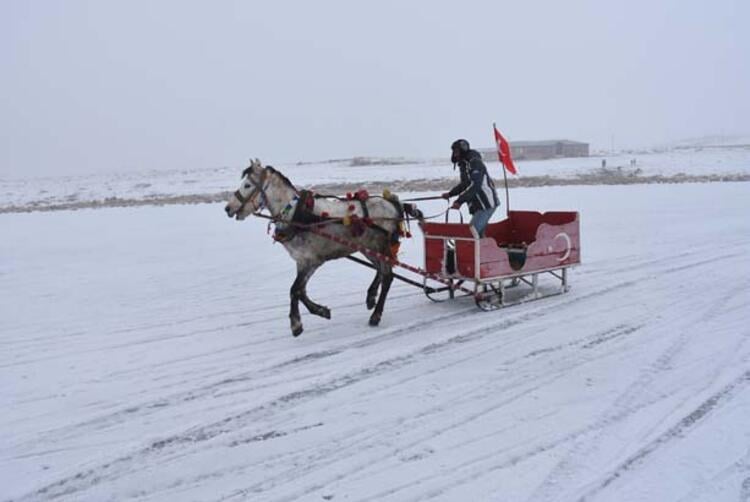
[
  {"x": 153, "y": 185},
  {"x": 146, "y": 356}
]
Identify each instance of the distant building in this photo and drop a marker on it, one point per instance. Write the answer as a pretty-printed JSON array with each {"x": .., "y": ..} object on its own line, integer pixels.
[{"x": 537, "y": 150}]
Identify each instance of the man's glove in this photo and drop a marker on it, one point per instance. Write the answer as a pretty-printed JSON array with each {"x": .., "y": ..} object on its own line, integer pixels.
[
  {"x": 456, "y": 205},
  {"x": 446, "y": 195}
]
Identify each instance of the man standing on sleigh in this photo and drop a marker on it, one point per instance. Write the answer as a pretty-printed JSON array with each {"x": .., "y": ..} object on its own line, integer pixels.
[{"x": 475, "y": 188}]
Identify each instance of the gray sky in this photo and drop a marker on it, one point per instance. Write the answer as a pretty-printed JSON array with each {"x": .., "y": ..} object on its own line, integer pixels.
[{"x": 101, "y": 86}]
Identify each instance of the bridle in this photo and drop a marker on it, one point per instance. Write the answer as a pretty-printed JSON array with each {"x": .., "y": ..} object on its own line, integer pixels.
[{"x": 259, "y": 186}]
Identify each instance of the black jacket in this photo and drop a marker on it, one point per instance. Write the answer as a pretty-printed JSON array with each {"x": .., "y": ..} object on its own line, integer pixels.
[{"x": 476, "y": 186}]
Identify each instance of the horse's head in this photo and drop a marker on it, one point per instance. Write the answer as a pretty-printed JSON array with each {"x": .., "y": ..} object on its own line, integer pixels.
[{"x": 250, "y": 197}]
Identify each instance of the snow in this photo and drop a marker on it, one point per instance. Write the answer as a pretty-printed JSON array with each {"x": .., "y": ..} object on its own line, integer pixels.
[
  {"x": 56, "y": 190},
  {"x": 146, "y": 355}
]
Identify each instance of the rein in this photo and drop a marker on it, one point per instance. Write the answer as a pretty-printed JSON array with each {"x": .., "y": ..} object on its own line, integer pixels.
[{"x": 278, "y": 219}]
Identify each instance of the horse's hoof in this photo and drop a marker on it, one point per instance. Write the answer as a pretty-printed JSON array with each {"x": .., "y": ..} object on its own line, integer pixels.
[
  {"x": 297, "y": 330},
  {"x": 370, "y": 303},
  {"x": 325, "y": 313},
  {"x": 374, "y": 320}
]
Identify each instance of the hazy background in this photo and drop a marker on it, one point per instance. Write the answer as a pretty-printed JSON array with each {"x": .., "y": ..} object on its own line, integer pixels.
[{"x": 104, "y": 86}]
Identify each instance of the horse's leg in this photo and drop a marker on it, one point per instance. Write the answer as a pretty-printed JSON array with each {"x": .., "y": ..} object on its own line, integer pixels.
[
  {"x": 372, "y": 291},
  {"x": 310, "y": 305},
  {"x": 386, "y": 272},
  {"x": 295, "y": 293}
]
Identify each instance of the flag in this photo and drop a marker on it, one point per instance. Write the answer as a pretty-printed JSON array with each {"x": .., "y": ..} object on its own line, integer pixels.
[{"x": 503, "y": 151}]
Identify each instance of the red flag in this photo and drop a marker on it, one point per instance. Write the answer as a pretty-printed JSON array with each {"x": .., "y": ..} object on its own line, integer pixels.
[{"x": 503, "y": 151}]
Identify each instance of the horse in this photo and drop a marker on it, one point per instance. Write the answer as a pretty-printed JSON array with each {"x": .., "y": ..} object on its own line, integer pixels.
[{"x": 378, "y": 225}]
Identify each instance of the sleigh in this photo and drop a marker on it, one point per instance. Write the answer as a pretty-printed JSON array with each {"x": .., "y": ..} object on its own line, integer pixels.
[
  {"x": 514, "y": 253},
  {"x": 505, "y": 267}
]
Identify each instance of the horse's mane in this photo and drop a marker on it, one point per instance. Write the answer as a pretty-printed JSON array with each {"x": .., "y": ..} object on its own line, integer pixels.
[
  {"x": 248, "y": 170},
  {"x": 283, "y": 178}
]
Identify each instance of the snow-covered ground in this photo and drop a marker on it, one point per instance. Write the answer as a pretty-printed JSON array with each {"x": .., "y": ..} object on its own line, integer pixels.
[
  {"x": 146, "y": 355},
  {"x": 153, "y": 185}
]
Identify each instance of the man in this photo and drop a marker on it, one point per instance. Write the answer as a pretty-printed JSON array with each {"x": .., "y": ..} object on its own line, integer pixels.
[{"x": 476, "y": 187}]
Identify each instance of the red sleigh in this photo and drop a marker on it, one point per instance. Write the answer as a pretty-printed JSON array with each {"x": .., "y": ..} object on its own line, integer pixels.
[{"x": 514, "y": 251}]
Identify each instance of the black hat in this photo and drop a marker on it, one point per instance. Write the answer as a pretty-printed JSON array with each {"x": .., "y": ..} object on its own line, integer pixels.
[
  {"x": 460, "y": 148},
  {"x": 461, "y": 145}
]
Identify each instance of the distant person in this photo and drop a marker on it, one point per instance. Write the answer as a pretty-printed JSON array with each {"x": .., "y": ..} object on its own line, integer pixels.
[
  {"x": 476, "y": 187},
  {"x": 604, "y": 163}
]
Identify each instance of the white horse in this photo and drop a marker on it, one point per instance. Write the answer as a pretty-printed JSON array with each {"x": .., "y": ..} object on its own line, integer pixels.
[{"x": 379, "y": 224}]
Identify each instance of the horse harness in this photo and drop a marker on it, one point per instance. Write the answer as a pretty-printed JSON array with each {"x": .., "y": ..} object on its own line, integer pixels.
[
  {"x": 298, "y": 214},
  {"x": 259, "y": 186}
]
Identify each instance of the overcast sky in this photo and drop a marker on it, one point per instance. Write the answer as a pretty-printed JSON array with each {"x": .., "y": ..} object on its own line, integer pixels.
[{"x": 133, "y": 85}]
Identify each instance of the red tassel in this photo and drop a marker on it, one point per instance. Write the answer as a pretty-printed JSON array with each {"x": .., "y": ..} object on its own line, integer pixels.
[
  {"x": 324, "y": 214},
  {"x": 348, "y": 196},
  {"x": 351, "y": 207}
]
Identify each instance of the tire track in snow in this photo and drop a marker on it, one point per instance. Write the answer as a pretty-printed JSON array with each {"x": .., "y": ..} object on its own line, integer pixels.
[
  {"x": 623, "y": 413},
  {"x": 553, "y": 373},
  {"x": 322, "y": 460},
  {"x": 740, "y": 466},
  {"x": 593, "y": 294},
  {"x": 152, "y": 406},
  {"x": 745, "y": 490},
  {"x": 520, "y": 382},
  {"x": 162, "y": 403},
  {"x": 501, "y": 460},
  {"x": 598, "y": 426},
  {"x": 638, "y": 262},
  {"x": 566, "y": 468},
  {"x": 687, "y": 423},
  {"x": 110, "y": 470},
  {"x": 207, "y": 432}
]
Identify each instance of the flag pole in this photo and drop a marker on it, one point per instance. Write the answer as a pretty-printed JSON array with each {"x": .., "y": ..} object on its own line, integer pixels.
[{"x": 505, "y": 175}]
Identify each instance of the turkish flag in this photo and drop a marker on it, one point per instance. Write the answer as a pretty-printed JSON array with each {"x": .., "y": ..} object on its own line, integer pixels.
[{"x": 503, "y": 151}]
